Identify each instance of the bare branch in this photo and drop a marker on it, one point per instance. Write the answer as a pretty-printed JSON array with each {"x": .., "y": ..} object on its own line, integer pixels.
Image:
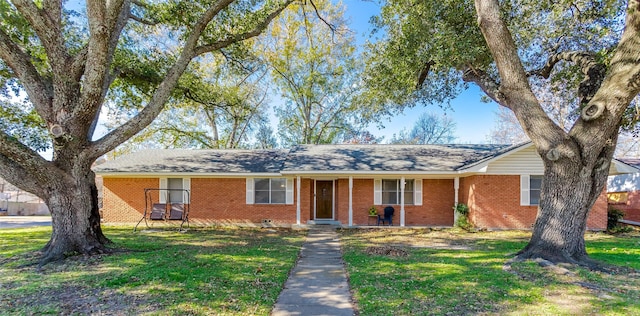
[
  {"x": 331, "y": 26},
  {"x": 142, "y": 20}
]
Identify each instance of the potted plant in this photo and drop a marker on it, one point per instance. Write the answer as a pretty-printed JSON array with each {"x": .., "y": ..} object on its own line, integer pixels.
[{"x": 373, "y": 211}]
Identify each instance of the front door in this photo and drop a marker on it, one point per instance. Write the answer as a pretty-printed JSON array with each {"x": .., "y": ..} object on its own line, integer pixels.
[{"x": 324, "y": 199}]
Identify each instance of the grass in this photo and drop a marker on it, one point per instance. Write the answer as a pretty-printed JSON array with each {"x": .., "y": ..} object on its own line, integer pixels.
[
  {"x": 242, "y": 271},
  {"x": 201, "y": 272},
  {"x": 449, "y": 272}
]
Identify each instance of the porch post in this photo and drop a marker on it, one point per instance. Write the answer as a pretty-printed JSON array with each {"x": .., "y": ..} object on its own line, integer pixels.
[
  {"x": 402, "y": 201},
  {"x": 456, "y": 188},
  {"x": 350, "y": 200},
  {"x": 298, "y": 201}
]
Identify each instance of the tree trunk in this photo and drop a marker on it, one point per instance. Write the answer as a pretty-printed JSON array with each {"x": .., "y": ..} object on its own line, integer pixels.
[
  {"x": 569, "y": 191},
  {"x": 73, "y": 204}
]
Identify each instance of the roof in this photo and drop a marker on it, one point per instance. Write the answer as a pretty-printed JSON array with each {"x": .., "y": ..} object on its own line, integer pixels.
[
  {"x": 162, "y": 161},
  {"x": 388, "y": 158},
  {"x": 634, "y": 162},
  {"x": 307, "y": 159}
]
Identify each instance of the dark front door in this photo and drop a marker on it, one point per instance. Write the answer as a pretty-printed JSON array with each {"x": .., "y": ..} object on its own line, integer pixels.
[{"x": 324, "y": 199}]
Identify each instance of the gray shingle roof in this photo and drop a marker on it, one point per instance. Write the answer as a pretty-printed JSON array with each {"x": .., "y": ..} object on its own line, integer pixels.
[
  {"x": 307, "y": 158},
  {"x": 196, "y": 161},
  {"x": 389, "y": 158}
]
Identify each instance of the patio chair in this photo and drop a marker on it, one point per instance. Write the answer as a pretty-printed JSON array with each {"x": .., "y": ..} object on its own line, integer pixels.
[
  {"x": 176, "y": 211},
  {"x": 158, "y": 211},
  {"x": 387, "y": 217}
]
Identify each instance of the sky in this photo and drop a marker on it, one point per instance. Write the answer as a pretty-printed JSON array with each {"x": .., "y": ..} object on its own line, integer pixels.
[{"x": 474, "y": 119}]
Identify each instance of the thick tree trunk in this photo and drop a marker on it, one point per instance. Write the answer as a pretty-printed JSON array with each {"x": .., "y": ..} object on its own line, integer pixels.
[
  {"x": 75, "y": 219},
  {"x": 569, "y": 191}
]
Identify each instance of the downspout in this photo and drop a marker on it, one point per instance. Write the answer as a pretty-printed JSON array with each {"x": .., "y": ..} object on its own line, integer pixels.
[
  {"x": 350, "y": 201},
  {"x": 298, "y": 201},
  {"x": 402, "y": 201},
  {"x": 456, "y": 188}
]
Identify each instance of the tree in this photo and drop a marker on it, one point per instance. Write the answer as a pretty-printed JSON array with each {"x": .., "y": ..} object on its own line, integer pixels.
[
  {"x": 428, "y": 129},
  {"x": 66, "y": 64},
  {"x": 217, "y": 104},
  {"x": 501, "y": 48},
  {"x": 506, "y": 130},
  {"x": 314, "y": 67}
]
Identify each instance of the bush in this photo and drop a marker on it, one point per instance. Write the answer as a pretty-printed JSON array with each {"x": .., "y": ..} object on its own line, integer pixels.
[
  {"x": 613, "y": 215},
  {"x": 463, "y": 220},
  {"x": 613, "y": 226}
]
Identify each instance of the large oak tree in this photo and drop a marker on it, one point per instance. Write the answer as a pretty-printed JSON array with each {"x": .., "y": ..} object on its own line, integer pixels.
[
  {"x": 432, "y": 49},
  {"x": 66, "y": 63}
]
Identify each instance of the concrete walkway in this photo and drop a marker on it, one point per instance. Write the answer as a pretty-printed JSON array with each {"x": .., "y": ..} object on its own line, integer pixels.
[{"x": 318, "y": 283}]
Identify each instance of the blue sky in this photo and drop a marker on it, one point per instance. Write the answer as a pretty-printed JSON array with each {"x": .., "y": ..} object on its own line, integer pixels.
[{"x": 474, "y": 119}]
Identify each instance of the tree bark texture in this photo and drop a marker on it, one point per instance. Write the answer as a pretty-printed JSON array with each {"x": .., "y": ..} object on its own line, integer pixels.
[{"x": 73, "y": 203}]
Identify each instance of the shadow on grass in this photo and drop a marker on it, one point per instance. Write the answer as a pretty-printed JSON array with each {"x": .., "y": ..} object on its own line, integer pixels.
[{"x": 208, "y": 271}]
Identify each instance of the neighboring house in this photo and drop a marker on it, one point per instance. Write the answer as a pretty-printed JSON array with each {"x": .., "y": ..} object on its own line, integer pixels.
[
  {"x": 338, "y": 184},
  {"x": 623, "y": 191}
]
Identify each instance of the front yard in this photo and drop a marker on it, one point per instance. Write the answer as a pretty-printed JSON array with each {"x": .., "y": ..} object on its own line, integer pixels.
[
  {"x": 201, "y": 272},
  {"x": 241, "y": 272},
  {"x": 447, "y": 272}
]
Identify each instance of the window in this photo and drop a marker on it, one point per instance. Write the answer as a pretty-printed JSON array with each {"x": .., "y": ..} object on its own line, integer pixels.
[
  {"x": 535, "y": 185},
  {"x": 391, "y": 191},
  {"x": 178, "y": 190},
  {"x": 270, "y": 190},
  {"x": 175, "y": 190}
]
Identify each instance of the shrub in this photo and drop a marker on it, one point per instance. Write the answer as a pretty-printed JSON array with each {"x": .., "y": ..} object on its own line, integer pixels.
[
  {"x": 613, "y": 226},
  {"x": 463, "y": 220}
]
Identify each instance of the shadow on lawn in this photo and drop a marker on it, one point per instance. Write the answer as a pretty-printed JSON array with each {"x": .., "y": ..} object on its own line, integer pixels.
[{"x": 199, "y": 272}]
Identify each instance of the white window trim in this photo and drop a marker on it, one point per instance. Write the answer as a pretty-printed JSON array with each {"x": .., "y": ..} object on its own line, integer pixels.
[
  {"x": 524, "y": 190},
  {"x": 164, "y": 184},
  {"x": 417, "y": 191},
  {"x": 250, "y": 191}
]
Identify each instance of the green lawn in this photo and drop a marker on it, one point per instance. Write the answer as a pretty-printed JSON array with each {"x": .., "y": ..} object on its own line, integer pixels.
[
  {"x": 201, "y": 272},
  {"x": 241, "y": 272},
  {"x": 423, "y": 272}
]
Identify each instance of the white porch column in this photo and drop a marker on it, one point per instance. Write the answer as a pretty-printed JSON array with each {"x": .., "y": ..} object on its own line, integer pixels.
[
  {"x": 456, "y": 188},
  {"x": 350, "y": 200},
  {"x": 298, "y": 200},
  {"x": 402, "y": 183}
]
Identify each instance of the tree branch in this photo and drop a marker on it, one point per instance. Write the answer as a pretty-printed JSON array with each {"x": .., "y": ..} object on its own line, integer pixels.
[
  {"x": 16, "y": 157},
  {"x": 234, "y": 38},
  {"x": 488, "y": 85},
  {"x": 47, "y": 25},
  {"x": 39, "y": 90},
  {"x": 422, "y": 76},
  {"x": 593, "y": 71},
  {"x": 514, "y": 83},
  {"x": 162, "y": 93}
]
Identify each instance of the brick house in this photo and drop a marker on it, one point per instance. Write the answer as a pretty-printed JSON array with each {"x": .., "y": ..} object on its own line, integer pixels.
[
  {"x": 338, "y": 184},
  {"x": 623, "y": 191}
]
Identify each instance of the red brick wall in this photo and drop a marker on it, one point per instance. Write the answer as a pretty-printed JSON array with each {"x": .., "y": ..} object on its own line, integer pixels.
[
  {"x": 212, "y": 201},
  {"x": 494, "y": 202},
  {"x": 123, "y": 198},
  {"x": 436, "y": 208},
  {"x": 631, "y": 207}
]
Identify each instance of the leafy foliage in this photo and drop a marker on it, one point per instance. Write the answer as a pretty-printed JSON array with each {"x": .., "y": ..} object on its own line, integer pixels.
[{"x": 313, "y": 64}]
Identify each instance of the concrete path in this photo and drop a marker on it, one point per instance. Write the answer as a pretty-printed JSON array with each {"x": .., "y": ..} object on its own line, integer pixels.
[
  {"x": 24, "y": 221},
  {"x": 318, "y": 283}
]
